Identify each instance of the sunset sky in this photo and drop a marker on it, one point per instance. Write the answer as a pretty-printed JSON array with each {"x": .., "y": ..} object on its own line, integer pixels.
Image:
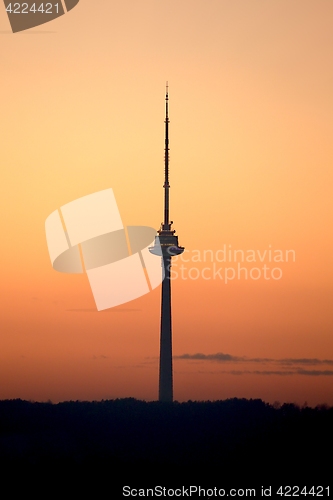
[{"x": 251, "y": 124}]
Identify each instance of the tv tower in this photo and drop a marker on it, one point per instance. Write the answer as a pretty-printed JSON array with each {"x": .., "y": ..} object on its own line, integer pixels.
[{"x": 166, "y": 247}]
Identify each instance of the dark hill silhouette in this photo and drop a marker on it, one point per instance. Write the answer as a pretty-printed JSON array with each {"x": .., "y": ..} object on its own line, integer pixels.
[{"x": 217, "y": 441}]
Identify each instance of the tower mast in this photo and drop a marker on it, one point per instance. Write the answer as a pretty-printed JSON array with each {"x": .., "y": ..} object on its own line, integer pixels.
[
  {"x": 166, "y": 225},
  {"x": 166, "y": 246}
]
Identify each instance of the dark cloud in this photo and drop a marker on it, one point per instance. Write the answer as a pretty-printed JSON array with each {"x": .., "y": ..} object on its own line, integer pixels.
[
  {"x": 214, "y": 357},
  {"x": 261, "y": 372},
  {"x": 305, "y": 361},
  {"x": 289, "y": 366},
  {"x": 311, "y": 373},
  {"x": 315, "y": 372},
  {"x": 228, "y": 358}
]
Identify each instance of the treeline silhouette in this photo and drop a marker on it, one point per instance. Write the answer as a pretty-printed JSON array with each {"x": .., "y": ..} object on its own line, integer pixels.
[{"x": 249, "y": 436}]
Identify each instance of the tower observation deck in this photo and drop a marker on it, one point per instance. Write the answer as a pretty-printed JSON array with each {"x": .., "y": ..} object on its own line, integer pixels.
[{"x": 166, "y": 247}]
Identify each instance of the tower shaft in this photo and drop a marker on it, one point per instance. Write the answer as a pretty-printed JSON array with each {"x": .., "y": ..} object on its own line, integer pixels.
[{"x": 165, "y": 375}]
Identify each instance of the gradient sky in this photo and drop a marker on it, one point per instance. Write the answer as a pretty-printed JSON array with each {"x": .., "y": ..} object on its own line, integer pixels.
[{"x": 251, "y": 123}]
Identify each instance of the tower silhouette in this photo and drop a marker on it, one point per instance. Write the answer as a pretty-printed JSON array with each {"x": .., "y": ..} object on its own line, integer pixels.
[{"x": 166, "y": 247}]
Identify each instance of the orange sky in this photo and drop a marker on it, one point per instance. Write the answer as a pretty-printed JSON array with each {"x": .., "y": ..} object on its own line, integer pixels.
[{"x": 251, "y": 122}]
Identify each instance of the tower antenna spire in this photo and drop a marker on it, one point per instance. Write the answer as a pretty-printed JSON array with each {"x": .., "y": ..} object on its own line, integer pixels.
[{"x": 166, "y": 224}]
